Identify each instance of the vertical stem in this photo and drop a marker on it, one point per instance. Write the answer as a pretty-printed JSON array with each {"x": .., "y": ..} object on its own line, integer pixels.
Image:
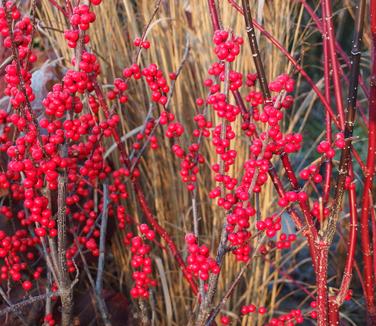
[
  {"x": 255, "y": 50},
  {"x": 369, "y": 280},
  {"x": 328, "y": 121},
  {"x": 101, "y": 259},
  {"x": 65, "y": 282},
  {"x": 337, "y": 301},
  {"x": 322, "y": 249},
  {"x": 214, "y": 15},
  {"x": 330, "y": 36},
  {"x": 333, "y": 313}
]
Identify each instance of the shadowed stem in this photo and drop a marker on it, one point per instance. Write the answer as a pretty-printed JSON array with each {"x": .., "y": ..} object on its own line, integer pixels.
[
  {"x": 255, "y": 51},
  {"x": 101, "y": 260}
]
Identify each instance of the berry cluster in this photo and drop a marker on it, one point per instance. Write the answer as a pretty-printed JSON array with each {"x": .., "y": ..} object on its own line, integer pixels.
[
  {"x": 141, "y": 261},
  {"x": 325, "y": 148},
  {"x": 221, "y": 106},
  {"x": 120, "y": 86},
  {"x": 294, "y": 317},
  {"x": 291, "y": 197},
  {"x": 147, "y": 133},
  {"x": 141, "y": 43},
  {"x": 238, "y": 234},
  {"x": 226, "y": 47},
  {"x": 199, "y": 264},
  {"x": 189, "y": 164},
  {"x": 82, "y": 17},
  {"x": 248, "y": 309},
  {"x": 157, "y": 84},
  {"x": 311, "y": 172},
  {"x": 270, "y": 225},
  {"x": 282, "y": 82}
]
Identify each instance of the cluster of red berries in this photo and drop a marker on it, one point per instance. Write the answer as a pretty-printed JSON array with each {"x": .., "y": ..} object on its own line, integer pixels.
[
  {"x": 120, "y": 86},
  {"x": 80, "y": 20},
  {"x": 199, "y": 264},
  {"x": 147, "y": 232},
  {"x": 235, "y": 80},
  {"x": 157, "y": 83},
  {"x": 226, "y": 47},
  {"x": 311, "y": 172},
  {"x": 142, "y": 264},
  {"x": 269, "y": 115},
  {"x": 340, "y": 140},
  {"x": 58, "y": 101},
  {"x": 174, "y": 130},
  {"x": 118, "y": 189},
  {"x": 122, "y": 217},
  {"x": 223, "y": 109},
  {"x": 255, "y": 174},
  {"x": 285, "y": 241},
  {"x": 291, "y": 197},
  {"x": 282, "y": 82},
  {"x": 270, "y": 225},
  {"x": 82, "y": 17},
  {"x": 291, "y": 142},
  {"x": 88, "y": 64},
  {"x": 49, "y": 319},
  {"x": 249, "y": 128},
  {"x": 22, "y": 30},
  {"x": 319, "y": 211},
  {"x": 325, "y": 148},
  {"x": 294, "y": 317},
  {"x": 147, "y": 132},
  {"x": 255, "y": 98},
  {"x": 237, "y": 228},
  {"x": 251, "y": 79},
  {"x": 12, "y": 248},
  {"x": 18, "y": 95},
  {"x": 132, "y": 71},
  {"x": 216, "y": 69},
  {"x": 248, "y": 309},
  {"x": 141, "y": 43},
  {"x": 189, "y": 164},
  {"x": 203, "y": 125}
]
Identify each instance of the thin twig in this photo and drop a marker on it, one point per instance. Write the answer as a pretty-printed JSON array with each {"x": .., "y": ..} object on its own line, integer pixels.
[{"x": 101, "y": 260}]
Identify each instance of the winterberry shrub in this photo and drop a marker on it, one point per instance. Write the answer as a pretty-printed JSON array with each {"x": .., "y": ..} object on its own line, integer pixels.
[{"x": 75, "y": 179}]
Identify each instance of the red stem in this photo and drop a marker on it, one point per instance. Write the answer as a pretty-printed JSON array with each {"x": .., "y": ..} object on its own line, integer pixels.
[
  {"x": 333, "y": 312},
  {"x": 373, "y": 222},
  {"x": 322, "y": 250},
  {"x": 329, "y": 40},
  {"x": 214, "y": 15},
  {"x": 328, "y": 121},
  {"x": 368, "y": 183},
  {"x": 337, "y": 301}
]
